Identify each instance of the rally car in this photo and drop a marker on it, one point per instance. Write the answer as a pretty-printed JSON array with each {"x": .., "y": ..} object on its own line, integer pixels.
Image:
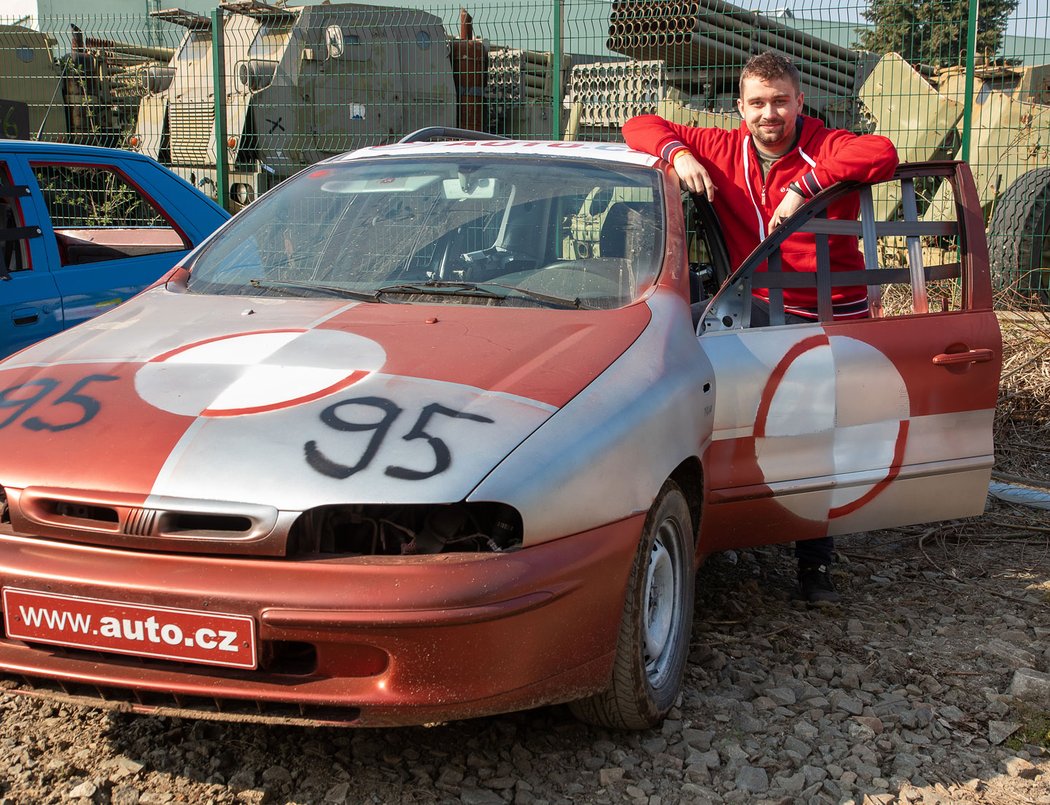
[{"x": 443, "y": 429}]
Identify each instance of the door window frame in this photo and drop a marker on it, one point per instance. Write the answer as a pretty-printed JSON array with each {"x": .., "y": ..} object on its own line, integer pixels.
[
  {"x": 144, "y": 195},
  {"x": 730, "y": 309}
]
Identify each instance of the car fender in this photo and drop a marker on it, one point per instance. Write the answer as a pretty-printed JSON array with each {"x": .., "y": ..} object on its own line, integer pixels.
[{"x": 604, "y": 456}]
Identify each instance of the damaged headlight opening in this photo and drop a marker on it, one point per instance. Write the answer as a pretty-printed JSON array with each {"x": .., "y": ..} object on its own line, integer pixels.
[{"x": 405, "y": 530}]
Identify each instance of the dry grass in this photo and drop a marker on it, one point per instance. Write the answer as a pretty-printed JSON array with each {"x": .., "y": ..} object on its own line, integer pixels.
[
  {"x": 1022, "y": 420},
  {"x": 1018, "y": 536}
]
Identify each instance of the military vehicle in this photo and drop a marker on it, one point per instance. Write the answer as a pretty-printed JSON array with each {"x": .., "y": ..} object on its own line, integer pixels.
[
  {"x": 301, "y": 84},
  {"x": 34, "y": 78},
  {"x": 1009, "y": 153},
  {"x": 102, "y": 88},
  {"x": 88, "y": 96}
]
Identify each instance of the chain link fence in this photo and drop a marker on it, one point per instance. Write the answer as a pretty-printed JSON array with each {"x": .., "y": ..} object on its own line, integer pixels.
[{"x": 239, "y": 97}]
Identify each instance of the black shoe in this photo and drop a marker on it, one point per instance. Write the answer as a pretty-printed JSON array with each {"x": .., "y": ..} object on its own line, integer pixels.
[{"x": 815, "y": 583}]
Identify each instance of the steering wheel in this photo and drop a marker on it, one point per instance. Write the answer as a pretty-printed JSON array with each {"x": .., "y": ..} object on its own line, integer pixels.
[{"x": 493, "y": 262}]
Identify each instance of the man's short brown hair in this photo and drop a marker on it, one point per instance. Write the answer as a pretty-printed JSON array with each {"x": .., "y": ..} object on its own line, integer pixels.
[{"x": 770, "y": 66}]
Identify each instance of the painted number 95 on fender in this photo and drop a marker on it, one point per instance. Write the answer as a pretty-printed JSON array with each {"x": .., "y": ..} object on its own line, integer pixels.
[{"x": 359, "y": 415}]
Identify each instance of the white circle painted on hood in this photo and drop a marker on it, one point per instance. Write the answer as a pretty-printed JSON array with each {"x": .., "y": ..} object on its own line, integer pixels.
[{"x": 251, "y": 373}]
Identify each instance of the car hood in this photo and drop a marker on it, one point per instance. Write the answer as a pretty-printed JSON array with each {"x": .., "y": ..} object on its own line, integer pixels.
[{"x": 293, "y": 403}]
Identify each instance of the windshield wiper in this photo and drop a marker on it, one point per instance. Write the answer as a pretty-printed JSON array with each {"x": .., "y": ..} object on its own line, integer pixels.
[
  {"x": 548, "y": 299},
  {"x": 481, "y": 289},
  {"x": 331, "y": 290},
  {"x": 441, "y": 287}
]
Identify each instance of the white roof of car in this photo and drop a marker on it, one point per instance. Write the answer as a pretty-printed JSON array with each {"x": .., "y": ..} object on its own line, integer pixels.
[{"x": 610, "y": 152}]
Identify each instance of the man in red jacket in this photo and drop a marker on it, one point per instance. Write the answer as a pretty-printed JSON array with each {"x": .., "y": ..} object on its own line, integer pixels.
[
  {"x": 756, "y": 177},
  {"x": 759, "y": 174}
]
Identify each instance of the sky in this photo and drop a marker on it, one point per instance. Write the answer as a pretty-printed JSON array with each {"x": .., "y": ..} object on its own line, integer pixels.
[{"x": 1028, "y": 20}]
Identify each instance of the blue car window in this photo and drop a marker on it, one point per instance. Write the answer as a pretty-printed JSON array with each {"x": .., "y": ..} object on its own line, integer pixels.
[{"x": 99, "y": 214}]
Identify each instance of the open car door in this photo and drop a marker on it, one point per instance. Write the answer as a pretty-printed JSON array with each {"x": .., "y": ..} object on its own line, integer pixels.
[{"x": 834, "y": 427}]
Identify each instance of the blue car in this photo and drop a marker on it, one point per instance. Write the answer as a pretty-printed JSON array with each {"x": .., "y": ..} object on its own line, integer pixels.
[{"x": 82, "y": 229}]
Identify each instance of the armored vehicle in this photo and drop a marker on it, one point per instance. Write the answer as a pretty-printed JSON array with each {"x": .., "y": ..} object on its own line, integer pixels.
[
  {"x": 1009, "y": 152},
  {"x": 31, "y": 76},
  {"x": 89, "y": 96},
  {"x": 301, "y": 84}
]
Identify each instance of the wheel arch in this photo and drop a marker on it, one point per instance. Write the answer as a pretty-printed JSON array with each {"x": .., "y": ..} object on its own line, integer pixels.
[{"x": 689, "y": 475}]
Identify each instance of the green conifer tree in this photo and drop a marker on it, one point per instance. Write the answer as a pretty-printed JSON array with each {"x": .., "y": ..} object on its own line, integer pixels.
[{"x": 933, "y": 32}]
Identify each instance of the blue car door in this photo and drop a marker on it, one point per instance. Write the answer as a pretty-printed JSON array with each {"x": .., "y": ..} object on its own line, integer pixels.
[
  {"x": 111, "y": 230},
  {"x": 30, "y": 304}
]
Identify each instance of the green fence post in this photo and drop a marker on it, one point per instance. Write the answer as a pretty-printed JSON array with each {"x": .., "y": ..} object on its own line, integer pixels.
[
  {"x": 971, "y": 57},
  {"x": 218, "y": 66},
  {"x": 556, "y": 24}
]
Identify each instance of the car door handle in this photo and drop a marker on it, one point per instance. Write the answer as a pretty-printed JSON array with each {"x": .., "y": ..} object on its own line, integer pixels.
[
  {"x": 25, "y": 315},
  {"x": 956, "y": 358}
]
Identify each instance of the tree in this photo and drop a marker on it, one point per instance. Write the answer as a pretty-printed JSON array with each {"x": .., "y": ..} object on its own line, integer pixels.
[{"x": 934, "y": 32}]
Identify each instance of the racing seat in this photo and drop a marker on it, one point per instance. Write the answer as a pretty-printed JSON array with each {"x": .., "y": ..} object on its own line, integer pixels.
[{"x": 621, "y": 229}]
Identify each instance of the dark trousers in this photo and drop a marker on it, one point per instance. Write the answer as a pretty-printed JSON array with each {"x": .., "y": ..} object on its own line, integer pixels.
[{"x": 815, "y": 551}]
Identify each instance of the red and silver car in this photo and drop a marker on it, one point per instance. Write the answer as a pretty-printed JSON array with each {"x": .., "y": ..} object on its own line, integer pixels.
[{"x": 443, "y": 429}]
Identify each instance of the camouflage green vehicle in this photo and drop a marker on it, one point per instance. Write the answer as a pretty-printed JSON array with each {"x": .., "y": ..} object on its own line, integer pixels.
[{"x": 1009, "y": 154}]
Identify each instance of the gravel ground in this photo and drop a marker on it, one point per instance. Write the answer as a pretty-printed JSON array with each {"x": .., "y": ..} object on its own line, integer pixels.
[{"x": 898, "y": 695}]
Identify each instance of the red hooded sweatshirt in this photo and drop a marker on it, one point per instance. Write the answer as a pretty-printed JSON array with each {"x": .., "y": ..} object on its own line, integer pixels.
[{"x": 745, "y": 201}]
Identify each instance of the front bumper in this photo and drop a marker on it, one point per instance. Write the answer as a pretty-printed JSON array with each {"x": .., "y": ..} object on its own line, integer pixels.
[{"x": 389, "y": 640}]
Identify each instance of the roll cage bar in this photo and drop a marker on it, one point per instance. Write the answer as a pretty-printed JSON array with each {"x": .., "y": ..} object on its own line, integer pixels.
[{"x": 731, "y": 306}]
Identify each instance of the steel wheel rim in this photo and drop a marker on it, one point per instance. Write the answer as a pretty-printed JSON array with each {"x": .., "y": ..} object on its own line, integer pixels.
[{"x": 661, "y": 611}]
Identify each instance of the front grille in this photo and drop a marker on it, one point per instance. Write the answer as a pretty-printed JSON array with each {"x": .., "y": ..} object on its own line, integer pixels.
[
  {"x": 176, "y": 523},
  {"x": 187, "y": 525},
  {"x": 140, "y": 522},
  {"x": 83, "y": 511}
]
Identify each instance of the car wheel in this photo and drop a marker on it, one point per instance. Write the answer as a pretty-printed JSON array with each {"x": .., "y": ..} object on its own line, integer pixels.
[
  {"x": 1019, "y": 237},
  {"x": 653, "y": 643}
]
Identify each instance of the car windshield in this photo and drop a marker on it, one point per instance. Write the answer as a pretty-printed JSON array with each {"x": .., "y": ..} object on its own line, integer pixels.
[{"x": 475, "y": 229}]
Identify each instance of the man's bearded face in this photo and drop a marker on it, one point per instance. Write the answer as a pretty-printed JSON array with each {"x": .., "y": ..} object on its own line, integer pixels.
[{"x": 770, "y": 109}]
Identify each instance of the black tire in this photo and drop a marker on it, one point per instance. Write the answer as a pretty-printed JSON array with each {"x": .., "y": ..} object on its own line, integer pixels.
[
  {"x": 1019, "y": 238},
  {"x": 653, "y": 643}
]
